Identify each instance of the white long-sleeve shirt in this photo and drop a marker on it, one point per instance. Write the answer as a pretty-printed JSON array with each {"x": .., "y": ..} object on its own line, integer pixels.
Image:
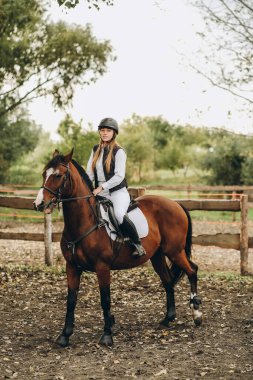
[{"x": 119, "y": 171}]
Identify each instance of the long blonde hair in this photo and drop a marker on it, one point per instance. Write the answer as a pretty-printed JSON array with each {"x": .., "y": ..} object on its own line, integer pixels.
[{"x": 108, "y": 160}]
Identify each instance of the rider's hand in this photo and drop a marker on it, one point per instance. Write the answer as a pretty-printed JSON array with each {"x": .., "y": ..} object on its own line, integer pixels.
[{"x": 97, "y": 190}]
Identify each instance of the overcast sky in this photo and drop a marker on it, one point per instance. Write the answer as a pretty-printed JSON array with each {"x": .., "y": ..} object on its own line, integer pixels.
[{"x": 150, "y": 76}]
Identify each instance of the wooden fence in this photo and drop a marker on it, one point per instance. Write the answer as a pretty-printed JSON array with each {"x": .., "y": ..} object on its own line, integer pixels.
[
  {"x": 29, "y": 190},
  {"x": 218, "y": 190},
  {"x": 239, "y": 241}
]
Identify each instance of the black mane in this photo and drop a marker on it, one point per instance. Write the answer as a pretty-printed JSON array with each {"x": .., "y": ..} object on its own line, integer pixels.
[
  {"x": 54, "y": 162},
  {"x": 83, "y": 174},
  {"x": 59, "y": 159}
]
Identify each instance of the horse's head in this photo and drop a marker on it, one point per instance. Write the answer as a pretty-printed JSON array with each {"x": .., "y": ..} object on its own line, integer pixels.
[{"x": 56, "y": 182}]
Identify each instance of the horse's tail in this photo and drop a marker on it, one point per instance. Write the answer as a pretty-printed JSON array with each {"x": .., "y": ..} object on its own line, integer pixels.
[
  {"x": 176, "y": 272},
  {"x": 188, "y": 246}
]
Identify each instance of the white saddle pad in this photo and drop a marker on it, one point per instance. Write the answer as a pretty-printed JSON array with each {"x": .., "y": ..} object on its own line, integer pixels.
[{"x": 136, "y": 216}]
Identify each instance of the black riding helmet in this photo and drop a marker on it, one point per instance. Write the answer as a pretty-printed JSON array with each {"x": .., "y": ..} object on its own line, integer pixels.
[{"x": 108, "y": 122}]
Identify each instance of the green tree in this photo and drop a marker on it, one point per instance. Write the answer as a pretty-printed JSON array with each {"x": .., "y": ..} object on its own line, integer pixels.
[
  {"x": 73, "y": 135},
  {"x": 175, "y": 146},
  {"x": 29, "y": 169},
  {"x": 161, "y": 131},
  {"x": 40, "y": 58},
  {"x": 154, "y": 143},
  {"x": 226, "y": 160},
  {"x": 91, "y": 3},
  {"x": 172, "y": 155},
  {"x": 135, "y": 137},
  {"x": 18, "y": 135},
  {"x": 247, "y": 170}
]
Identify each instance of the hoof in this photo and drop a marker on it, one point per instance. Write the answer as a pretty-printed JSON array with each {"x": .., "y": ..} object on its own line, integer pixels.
[
  {"x": 106, "y": 340},
  {"x": 166, "y": 321},
  {"x": 197, "y": 317},
  {"x": 195, "y": 303},
  {"x": 62, "y": 341},
  {"x": 198, "y": 321}
]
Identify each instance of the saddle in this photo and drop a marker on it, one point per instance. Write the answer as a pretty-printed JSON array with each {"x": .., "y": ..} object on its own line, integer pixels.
[{"x": 108, "y": 208}]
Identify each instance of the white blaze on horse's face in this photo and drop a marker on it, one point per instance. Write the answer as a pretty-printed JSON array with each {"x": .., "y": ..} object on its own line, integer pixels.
[{"x": 39, "y": 199}]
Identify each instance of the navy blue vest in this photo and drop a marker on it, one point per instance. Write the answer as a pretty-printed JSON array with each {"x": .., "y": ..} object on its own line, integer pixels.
[{"x": 112, "y": 168}]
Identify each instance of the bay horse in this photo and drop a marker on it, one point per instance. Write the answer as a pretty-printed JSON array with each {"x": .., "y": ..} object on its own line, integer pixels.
[{"x": 86, "y": 245}]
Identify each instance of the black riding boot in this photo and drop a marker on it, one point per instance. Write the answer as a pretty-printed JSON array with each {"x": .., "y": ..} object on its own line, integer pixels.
[{"x": 128, "y": 228}]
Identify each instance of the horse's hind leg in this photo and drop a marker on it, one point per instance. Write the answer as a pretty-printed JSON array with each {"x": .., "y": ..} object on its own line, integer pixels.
[
  {"x": 195, "y": 300},
  {"x": 191, "y": 269},
  {"x": 160, "y": 266},
  {"x": 73, "y": 278}
]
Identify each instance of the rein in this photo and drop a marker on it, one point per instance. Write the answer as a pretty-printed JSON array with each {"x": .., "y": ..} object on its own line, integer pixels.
[{"x": 56, "y": 201}]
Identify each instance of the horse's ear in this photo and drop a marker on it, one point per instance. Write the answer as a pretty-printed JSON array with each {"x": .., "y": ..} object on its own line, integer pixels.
[
  {"x": 68, "y": 156},
  {"x": 56, "y": 152}
]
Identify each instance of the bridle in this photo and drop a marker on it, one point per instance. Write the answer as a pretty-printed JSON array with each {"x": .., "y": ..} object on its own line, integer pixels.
[
  {"x": 58, "y": 193},
  {"x": 59, "y": 199}
]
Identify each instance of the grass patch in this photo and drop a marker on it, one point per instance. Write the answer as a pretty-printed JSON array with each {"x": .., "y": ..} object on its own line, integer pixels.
[
  {"x": 25, "y": 216},
  {"x": 219, "y": 216},
  {"x": 215, "y": 216},
  {"x": 13, "y": 270},
  {"x": 226, "y": 276}
]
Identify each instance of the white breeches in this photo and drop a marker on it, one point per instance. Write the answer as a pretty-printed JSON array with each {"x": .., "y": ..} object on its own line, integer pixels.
[{"x": 121, "y": 200}]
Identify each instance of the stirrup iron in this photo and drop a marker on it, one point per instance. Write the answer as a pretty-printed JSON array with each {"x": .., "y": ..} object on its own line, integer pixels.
[{"x": 139, "y": 250}]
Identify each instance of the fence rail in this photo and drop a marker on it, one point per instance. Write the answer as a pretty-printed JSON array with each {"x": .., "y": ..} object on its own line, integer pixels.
[
  {"x": 239, "y": 242},
  {"x": 225, "y": 190},
  {"x": 199, "y": 188}
]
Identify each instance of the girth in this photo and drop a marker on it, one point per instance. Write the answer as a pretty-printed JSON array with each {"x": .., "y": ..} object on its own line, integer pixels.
[{"x": 100, "y": 222}]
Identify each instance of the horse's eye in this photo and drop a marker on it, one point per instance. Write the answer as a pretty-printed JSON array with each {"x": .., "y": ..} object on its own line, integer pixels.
[{"x": 58, "y": 175}]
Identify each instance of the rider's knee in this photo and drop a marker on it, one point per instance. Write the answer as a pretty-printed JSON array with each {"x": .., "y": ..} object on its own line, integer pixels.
[{"x": 119, "y": 216}]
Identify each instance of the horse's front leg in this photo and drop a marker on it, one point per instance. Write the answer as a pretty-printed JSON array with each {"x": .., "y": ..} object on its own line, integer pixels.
[
  {"x": 73, "y": 279},
  {"x": 104, "y": 287}
]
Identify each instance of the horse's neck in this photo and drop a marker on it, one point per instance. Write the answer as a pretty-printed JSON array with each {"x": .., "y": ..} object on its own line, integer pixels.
[{"x": 78, "y": 214}]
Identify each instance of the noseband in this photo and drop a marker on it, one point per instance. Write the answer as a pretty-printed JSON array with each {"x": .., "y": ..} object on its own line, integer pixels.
[{"x": 58, "y": 192}]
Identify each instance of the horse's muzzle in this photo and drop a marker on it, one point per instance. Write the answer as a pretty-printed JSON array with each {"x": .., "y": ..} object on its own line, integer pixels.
[{"x": 40, "y": 207}]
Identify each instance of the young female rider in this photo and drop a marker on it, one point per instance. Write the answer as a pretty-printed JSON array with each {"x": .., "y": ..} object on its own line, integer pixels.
[{"x": 107, "y": 167}]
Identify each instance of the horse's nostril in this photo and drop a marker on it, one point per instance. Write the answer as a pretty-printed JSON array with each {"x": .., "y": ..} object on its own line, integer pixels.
[{"x": 39, "y": 207}]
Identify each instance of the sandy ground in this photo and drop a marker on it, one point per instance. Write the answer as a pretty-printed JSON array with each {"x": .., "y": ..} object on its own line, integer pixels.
[{"x": 32, "y": 307}]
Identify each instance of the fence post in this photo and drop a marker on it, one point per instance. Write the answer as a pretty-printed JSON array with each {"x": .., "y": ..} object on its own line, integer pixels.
[
  {"x": 233, "y": 198},
  {"x": 244, "y": 239},
  {"x": 189, "y": 191},
  {"x": 48, "y": 239},
  {"x": 136, "y": 192},
  {"x": 140, "y": 191}
]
